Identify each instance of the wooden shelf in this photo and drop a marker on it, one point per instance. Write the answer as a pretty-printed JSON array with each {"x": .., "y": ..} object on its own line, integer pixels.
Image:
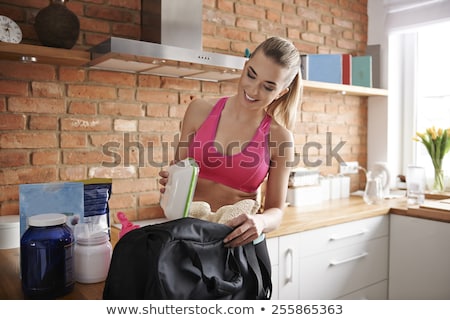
[
  {"x": 41, "y": 54},
  {"x": 343, "y": 89},
  {"x": 70, "y": 57}
]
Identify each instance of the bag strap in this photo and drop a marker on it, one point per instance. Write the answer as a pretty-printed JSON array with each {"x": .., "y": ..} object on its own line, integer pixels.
[{"x": 262, "y": 277}]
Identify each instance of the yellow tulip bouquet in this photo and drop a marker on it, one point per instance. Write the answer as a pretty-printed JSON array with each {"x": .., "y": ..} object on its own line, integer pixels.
[{"x": 437, "y": 143}]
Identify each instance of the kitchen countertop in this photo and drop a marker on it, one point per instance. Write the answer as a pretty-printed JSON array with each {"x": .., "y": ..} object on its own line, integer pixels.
[{"x": 296, "y": 219}]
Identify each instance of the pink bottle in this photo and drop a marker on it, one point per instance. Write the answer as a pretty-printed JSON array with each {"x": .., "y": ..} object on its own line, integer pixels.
[{"x": 127, "y": 225}]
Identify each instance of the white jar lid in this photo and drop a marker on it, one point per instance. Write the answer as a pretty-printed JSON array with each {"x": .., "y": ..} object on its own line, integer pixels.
[
  {"x": 47, "y": 220},
  {"x": 8, "y": 222}
]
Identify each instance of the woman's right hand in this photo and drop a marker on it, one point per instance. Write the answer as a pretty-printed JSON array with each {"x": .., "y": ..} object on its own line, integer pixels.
[{"x": 164, "y": 174}]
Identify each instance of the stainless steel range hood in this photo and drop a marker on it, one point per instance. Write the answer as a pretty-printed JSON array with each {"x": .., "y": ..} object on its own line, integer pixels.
[{"x": 171, "y": 46}]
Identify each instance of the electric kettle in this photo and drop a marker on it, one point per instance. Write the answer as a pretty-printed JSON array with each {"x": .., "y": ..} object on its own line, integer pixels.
[{"x": 381, "y": 170}]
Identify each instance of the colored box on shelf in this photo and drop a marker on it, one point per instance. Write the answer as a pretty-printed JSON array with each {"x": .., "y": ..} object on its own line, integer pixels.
[
  {"x": 324, "y": 67},
  {"x": 362, "y": 71}
]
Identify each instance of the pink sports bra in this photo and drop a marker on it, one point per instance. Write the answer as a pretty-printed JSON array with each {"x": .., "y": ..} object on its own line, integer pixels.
[{"x": 243, "y": 171}]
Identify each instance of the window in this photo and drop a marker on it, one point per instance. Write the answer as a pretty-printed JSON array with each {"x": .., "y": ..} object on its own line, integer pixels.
[
  {"x": 433, "y": 85},
  {"x": 419, "y": 72}
]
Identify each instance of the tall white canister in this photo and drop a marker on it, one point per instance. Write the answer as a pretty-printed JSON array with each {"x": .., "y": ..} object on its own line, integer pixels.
[{"x": 92, "y": 257}]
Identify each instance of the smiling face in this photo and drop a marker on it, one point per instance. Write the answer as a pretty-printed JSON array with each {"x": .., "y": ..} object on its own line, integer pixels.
[{"x": 262, "y": 81}]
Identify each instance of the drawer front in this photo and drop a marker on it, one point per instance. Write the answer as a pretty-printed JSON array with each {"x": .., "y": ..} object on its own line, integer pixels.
[
  {"x": 377, "y": 291},
  {"x": 329, "y": 238},
  {"x": 344, "y": 270}
]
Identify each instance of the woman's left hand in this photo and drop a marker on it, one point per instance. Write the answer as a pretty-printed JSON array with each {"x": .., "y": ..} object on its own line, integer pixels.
[{"x": 246, "y": 229}]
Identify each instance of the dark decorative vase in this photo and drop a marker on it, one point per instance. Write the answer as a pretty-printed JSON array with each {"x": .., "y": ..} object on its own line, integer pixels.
[{"x": 57, "y": 26}]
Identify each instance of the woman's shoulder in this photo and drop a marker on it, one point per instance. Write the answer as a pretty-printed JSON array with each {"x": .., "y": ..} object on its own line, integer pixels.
[
  {"x": 280, "y": 133},
  {"x": 201, "y": 106}
]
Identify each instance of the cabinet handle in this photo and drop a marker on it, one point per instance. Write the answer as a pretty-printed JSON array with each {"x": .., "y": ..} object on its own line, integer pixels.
[
  {"x": 340, "y": 237},
  {"x": 338, "y": 262},
  {"x": 289, "y": 265}
]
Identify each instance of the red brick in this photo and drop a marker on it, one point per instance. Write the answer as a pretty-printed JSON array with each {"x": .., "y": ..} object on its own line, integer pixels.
[
  {"x": 71, "y": 74},
  {"x": 129, "y": 4},
  {"x": 109, "y": 13},
  {"x": 36, "y": 105},
  {"x": 125, "y": 125},
  {"x": 2, "y": 104},
  {"x": 86, "y": 124},
  {"x": 179, "y": 84},
  {"x": 91, "y": 92},
  {"x": 159, "y": 125},
  {"x": 26, "y": 140},
  {"x": 28, "y": 175},
  {"x": 158, "y": 111},
  {"x": 110, "y": 77},
  {"x": 9, "y": 192},
  {"x": 13, "y": 88},
  {"x": 114, "y": 173},
  {"x": 9, "y": 208},
  {"x": 13, "y": 158},
  {"x": 149, "y": 198},
  {"x": 17, "y": 70},
  {"x": 73, "y": 173},
  {"x": 10, "y": 121},
  {"x": 153, "y": 212},
  {"x": 133, "y": 185},
  {"x": 119, "y": 201},
  {"x": 73, "y": 140},
  {"x": 47, "y": 89},
  {"x": 149, "y": 81},
  {"x": 126, "y": 30},
  {"x": 98, "y": 140},
  {"x": 126, "y": 94},
  {"x": 39, "y": 158},
  {"x": 43, "y": 122},
  {"x": 158, "y": 96},
  {"x": 82, "y": 107},
  {"x": 121, "y": 109},
  {"x": 83, "y": 157},
  {"x": 94, "y": 25}
]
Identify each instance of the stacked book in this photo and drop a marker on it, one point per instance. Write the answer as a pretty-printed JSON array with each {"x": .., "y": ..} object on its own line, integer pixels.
[{"x": 338, "y": 68}]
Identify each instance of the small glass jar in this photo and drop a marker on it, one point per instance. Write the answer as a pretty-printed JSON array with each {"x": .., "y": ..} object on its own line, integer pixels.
[
  {"x": 46, "y": 257},
  {"x": 92, "y": 258}
]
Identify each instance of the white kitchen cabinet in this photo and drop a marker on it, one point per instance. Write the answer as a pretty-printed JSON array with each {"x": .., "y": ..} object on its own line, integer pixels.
[
  {"x": 344, "y": 260},
  {"x": 341, "y": 271},
  {"x": 288, "y": 262},
  {"x": 377, "y": 291},
  {"x": 419, "y": 259},
  {"x": 338, "y": 260}
]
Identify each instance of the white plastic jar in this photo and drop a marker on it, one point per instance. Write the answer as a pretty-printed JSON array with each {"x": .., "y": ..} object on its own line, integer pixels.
[{"x": 92, "y": 258}]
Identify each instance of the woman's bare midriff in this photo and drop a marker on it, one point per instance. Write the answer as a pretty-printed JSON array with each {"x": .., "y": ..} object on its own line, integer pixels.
[{"x": 218, "y": 195}]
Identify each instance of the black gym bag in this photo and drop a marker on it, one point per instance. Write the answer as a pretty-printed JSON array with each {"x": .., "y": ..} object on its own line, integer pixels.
[{"x": 186, "y": 259}]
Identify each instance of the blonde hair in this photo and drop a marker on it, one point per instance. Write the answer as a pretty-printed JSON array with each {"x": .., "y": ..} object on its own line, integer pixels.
[{"x": 284, "y": 53}]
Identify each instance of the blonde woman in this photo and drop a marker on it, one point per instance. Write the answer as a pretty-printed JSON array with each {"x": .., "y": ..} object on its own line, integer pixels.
[{"x": 242, "y": 140}]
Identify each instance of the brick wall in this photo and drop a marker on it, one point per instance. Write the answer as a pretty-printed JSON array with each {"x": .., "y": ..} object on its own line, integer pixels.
[{"x": 68, "y": 123}]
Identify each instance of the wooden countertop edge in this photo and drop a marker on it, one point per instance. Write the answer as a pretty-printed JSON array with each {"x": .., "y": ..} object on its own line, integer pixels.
[
  {"x": 423, "y": 213},
  {"x": 336, "y": 212}
]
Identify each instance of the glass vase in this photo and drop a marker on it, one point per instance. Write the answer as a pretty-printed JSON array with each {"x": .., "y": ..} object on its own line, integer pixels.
[{"x": 439, "y": 181}]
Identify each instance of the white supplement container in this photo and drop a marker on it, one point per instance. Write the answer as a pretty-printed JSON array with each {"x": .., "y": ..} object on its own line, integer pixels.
[
  {"x": 92, "y": 258},
  {"x": 9, "y": 232}
]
